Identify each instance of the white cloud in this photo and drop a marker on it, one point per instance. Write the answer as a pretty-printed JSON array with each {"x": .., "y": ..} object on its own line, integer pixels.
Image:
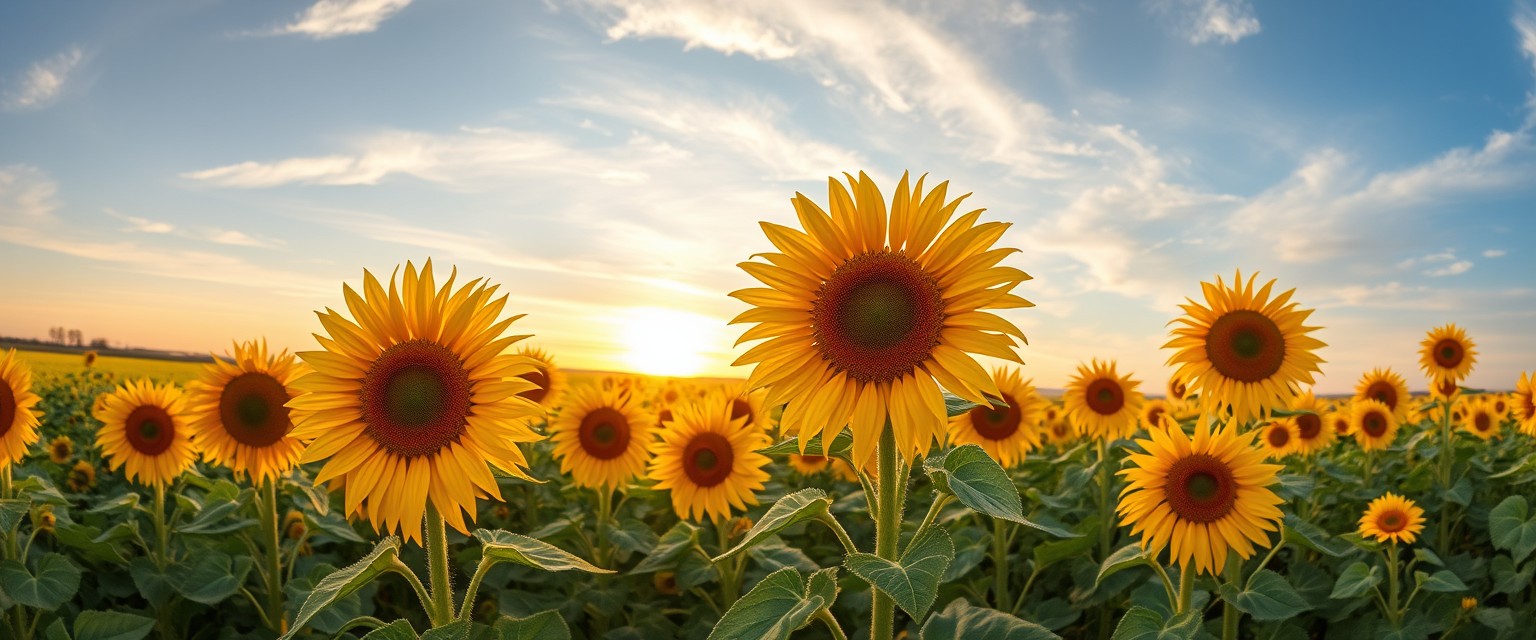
[
  {"x": 1455, "y": 268},
  {"x": 334, "y": 18},
  {"x": 205, "y": 234},
  {"x": 1494, "y": 253},
  {"x": 43, "y": 81},
  {"x": 27, "y": 195},
  {"x": 1223, "y": 22}
]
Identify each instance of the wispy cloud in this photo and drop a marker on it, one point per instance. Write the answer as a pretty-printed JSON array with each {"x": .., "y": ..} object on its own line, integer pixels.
[
  {"x": 1220, "y": 21},
  {"x": 1455, "y": 268},
  {"x": 44, "y": 81},
  {"x": 1494, "y": 253},
  {"x": 27, "y": 195},
  {"x": 203, "y": 234},
  {"x": 334, "y": 18}
]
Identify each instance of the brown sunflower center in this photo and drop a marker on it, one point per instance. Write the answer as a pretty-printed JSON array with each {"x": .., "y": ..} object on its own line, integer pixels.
[
  {"x": 708, "y": 458},
  {"x": 1383, "y": 392},
  {"x": 1449, "y": 353},
  {"x": 416, "y": 398},
  {"x": 997, "y": 423},
  {"x": 663, "y": 417},
  {"x": 877, "y": 316},
  {"x": 1245, "y": 346},
  {"x": 1499, "y": 406},
  {"x": 1374, "y": 424},
  {"x": 741, "y": 408},
  {"x": 1155, "y": 416},
  {"x": 1105, "y": 397},
  {"x": 1279, "y": 437},
  {"x": 1176, "y": 389},
  {"x": 1201, "y": 488},
  {"x": 150, "y": 430},
  {"x": 1341, "y": 425},
  {"x": 7, "y": 407},
  {"x": 1308, "y": 425},
  {"x": 1528, "y": 407},
  {"x": 1392, "y": 521},
  {"x": 540, "y": 378},
  {"x": 1446, "y": 387},
  {"x": 251, "y": 409},
  {"x": 604, "y": 433},
  {"x": 1482, "y": 422}
]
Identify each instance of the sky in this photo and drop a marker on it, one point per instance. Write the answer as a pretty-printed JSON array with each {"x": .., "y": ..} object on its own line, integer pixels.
[{"x": 180, "y": 174}]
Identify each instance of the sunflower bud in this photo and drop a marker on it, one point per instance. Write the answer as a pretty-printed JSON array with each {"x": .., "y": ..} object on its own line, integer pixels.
[
  {"x": 293, "y": 525},
  {"x": 1468, "y": 603},
  {"x": 665, "y": 583},
  {"x": 743, "y": 525}
]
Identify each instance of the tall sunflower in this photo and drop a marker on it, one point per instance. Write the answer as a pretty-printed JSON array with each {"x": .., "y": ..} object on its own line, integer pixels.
[
  {"x": 1372, "y": 424},
  {"x": 238, "y": 413},
  {"x": 1244, "y": 351},
  {"x": 1392, "y": 518},
  {"x": 18, "y": 420},
  {"x": 1525, "y": 405},
  {"x": 1387, "y": 387},
  {"x": 144, "y": 428},
  {"x": 866, "y": 313},
  {"x": 1313, "y": 434},
  {"x": 1102, "y": 403},
  {"x": 414, "y": 400},
  {"x": 1447, "y": 353},
  {"x": 1480, "y": 419},
  {"x": 1200, "y": 497},
  {"x": 1278, "y": 438},
  {"x": 1006, "y": 433},
  {"x": 709, "y": 460},
  {"x": 548, "y": 380},
  {"x": 602, "y": 437}
]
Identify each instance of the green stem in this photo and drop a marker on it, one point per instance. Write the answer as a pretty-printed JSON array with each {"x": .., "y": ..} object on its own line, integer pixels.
[
  {"x": 1186, "y": 590},
  {"x": 842, "y": 534},
  {"x": 999, "y": 563},
  {"x": 274, "y": 569},
  {"x": 1106, "y": 531},
  {"x": 730, "y": 572},
  {"x": 468, "y": 606},
  {"x": 1447, "y": 457},
  {"x": 1229, "y": 613},
  {"x": 404, "y": 570},
  {"x": 1019, "y": 601},
  {"x": 441, "y": 609},
  {"x": 1264, "y": 563},
  {"x": 1370, "y": 464},
  {"x": 939, "y": 500},
  {"x": 16, "y": 617},
  {"x": 831, "y": 622},
  {"x": 887, "y": 531},
  {"x": 604, "y": 514},
  {"x": 1393, "y": 612},
  {"x": 162, "y": 539}
]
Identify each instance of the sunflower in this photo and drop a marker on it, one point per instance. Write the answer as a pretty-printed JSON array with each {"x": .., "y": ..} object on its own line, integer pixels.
[
  {"x": 1372, "y": 424},
  {"x": 1387, "y": 387},
  {"x": 1006, "y": 433},
  {"x": 747, "y": 404},
  {"x": 1312, "y": 432},
  {"x": 1392, "y": 517},
  {"x": 414, "y": 400},
  {"x": 809, "y": 465},
  {"x": 1442, "y": 388},
  {"x": 1200, "y": 497},
  {"x": 1101, "y": 403},
  {"x": 709, "y": 460},
  {"x": 81, "y": 477},
  {"x": 1447, "y": 353},
  {"x": 866, "y": 314},
  {"x": 1247, "y": 353},
  {"x": 18, "y": 420},
  {"x": 1278, "y": 438},
  {"x": 1158, "y": 414},
  {"x": 144, "y": 427},
  {"x": 601, "y": 437},
  {"x": 672, "y": 392},
  {"x": 1178, "y": 388},
  {"x": 1481, "y": 420},
  {"x": 1340, "y": 422},
  {"x": 1525, "y": 405},
  {"x": 1499, "y": 404},
  {"x": 90, "y": 359},
  {"x": 61, "y": 449},
  {"x": 548, "y": 380},
  {"x": 1058, "y": 432},
  {"x": 238, "y": 413}
]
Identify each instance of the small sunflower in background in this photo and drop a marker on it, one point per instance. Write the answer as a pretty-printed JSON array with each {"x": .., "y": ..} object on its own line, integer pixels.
[
  {"x": 1243, "y": 351},
  {"x": 747, "y": 405},
  {"x": 548, "y": 380},
  {"x": 1387, "y": 387},
  {"x": 601, "y": 437},
  {"x": 1278, "y": 438},
  {"x": 1525, "y": 405},
  {"x": 1340, "y": 422},
  {"x": 18, "y": 420},
  {"x": 1480, "y": 420},
  {"x": 1312, "y": 431},
  {"x": 90, "y": 359},
  {"x": 708, "y": 460},
  {"x": 1446, "y": 355},
  {"x": 1006, "y": 433},
  {"x": 1444, "y": 389},
  {"x": 1392, "y": 518},
  {"x": 1101, "y": 403},
  {"x": 809, "y": 465},
  {"x": 61, "y": 449},
  {"x": 145, "y": 430},
  {"x": 239, "y": 413},
  {"x": 1178, "y": 388},
  {"x": 1158, "y": 414},
  {"x": 1200, "y": 497},
  {"x": 1372, "y": 424},
  {"x": 81, "y": 477}
]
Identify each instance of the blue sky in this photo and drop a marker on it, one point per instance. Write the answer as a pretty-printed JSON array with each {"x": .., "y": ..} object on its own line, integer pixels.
[{"x": 177, "y": 175}]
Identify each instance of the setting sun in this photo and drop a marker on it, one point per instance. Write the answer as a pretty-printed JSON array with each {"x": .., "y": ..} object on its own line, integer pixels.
[{"x": 668, "y": 342}]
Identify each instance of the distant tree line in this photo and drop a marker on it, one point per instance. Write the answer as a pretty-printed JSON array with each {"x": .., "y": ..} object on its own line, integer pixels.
[{"x": 67, "y": 337}]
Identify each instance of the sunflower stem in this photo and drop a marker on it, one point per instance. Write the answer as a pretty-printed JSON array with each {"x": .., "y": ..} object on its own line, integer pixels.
[
  {"x": 468, "y": 606},
  {"x": 272, "y": 532},
  {"x": 1000, "y": 563},
  {"x": 1106, "y": 531},
  {"x": 1229, "y": 613},
  {"x": 1447, "y": 455},
  {"x": 604, "y": 514},
  {"x": 16, "y": 616},
  {"x": 887, "y": 530},
  {"x": 1186, "y": 590},
  {"x": 1394, "y": 613},
  {"x": 836, "y": 630},
  {"x": 730, "y": 571},
  {"x": 441, "y": 593},
  {"x": 1370, "y": 464},
  {"x": 933, "y": 513},
  {"x": 162, "y": 540},
  {"x": 842, "y": 534}
]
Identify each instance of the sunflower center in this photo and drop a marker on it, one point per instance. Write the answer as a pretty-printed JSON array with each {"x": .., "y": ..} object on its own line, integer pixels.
[
  {"x": 1341, "y": 425},
  {"x": 1308, "y": 425},
  {"x": 604, "y": 433},
  {"x": 1391, "y": 522},
  {"x": 1105, "y": 397},
  {"x": 1448, "y": 353},
  {"x": 150, "y": 430},
  {"x": 1528, "y": 407},
  {"x": 1278, "y": 437},
  {"x": 1382, "y": 391},
  {"x": 1498, "y": 406},
  {"x": 1155, "y": 416},
  {"x": 1482, "y": 422},
  {"x": 708, "y": 458},
  {"x": 1176, "y": 389},
  {"x": 539, "y": 378},
  {"x": 7, "y": 407},
  {"x": 997, "y": 423},
  {"x": 416, "y": 398},
  {"x": 741, "y": 408},
  {"x": 1374, "y": 424},
  {"x": 1201, "y": 488},
  {"x": 251, "y": 409},
  {"x": 1245, "y": 346},
  {"x": 1446, "y": 387},
  {"x": 877, "y": 316}
]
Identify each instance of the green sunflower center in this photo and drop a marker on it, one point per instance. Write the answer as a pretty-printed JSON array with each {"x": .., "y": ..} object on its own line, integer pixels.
[
  {"x": 251, "y": 409},
  {"x": 1245, "y": 346},
  {"x": 416, "y": 398},
  {"x": 877, "y": 316}
]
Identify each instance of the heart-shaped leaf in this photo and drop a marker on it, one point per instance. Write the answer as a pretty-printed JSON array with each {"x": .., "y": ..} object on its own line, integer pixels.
[
  {"x": 670, "y": 549},
  {"x": 544, "y": 625},
  {"x": 112, "y": 625},
  {"x": 1512, "y": 528},
  {"x": 1267, "y": 597},
  {"x": 979, "y": 482},
  {"x": 209, "y": 578},
  {"x": 799, "y": 506},
  {"x": 1357, "y": 580},
  {"x": 1141, "y": 623},
  {"x": 913, "y": 582},
  {"x": 1440, "y": 581},
  {"x": 1310, "y": 536},
  {"x": 961, "y": 620},
  {"x": 54, "y": 583},
  {"x": 344, "y": 582},
  {"x": 505, "y": 546},
  {"x": 397, "y": 630},
  {"x": 1131, "y": 555},
  {"x": 774, "y": 608}
]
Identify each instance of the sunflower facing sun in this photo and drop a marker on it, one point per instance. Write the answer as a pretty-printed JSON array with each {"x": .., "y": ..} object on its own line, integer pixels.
[
  {"x": 1102, "y": 403},
  {"x": 1243, "y": 351},
  {"x": 144, "y": 428},
  {"x": 1392, "y": 518},
  {"x": 18, "y": 420},
  {"x": 601, "y": 437},
  {"x": 1387, "y": 387},
  {"x": 548, "y": 380},
  {"x": 1313, "y": 434},
  {"x": 414, "y": 400},
  {"x": 866, "y": 313},
  {"x": 1480, "y": 420},
  {"x": 1447, "y": 354},
  {"x": 1372, "y": 424},
  {"x": 1006, "y": 433},
  {"x": 238, "y": 413},
  {"x": 709, "y": 460}
]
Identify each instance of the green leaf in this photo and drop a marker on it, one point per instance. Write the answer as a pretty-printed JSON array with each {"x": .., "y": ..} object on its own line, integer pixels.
[
  {"x": 979, "y": 482},
  {"x": 1440, "y": 582},
  {"x": 1496, "y": 618},
  {"x": 1511, "y": 527},
  {"x": 1460, "y": 493},
  {"x": 55, "y": 631},
  {"x": 955, "y": 405},
  {"x": 670, "y": 549},
  {"x": 961, "y": 620},
  {"x": 914, "y": 582},
  {"x": 823, "y": 584},
  {"x": 87, "y": 540},
  {"x": 1505, "y": 577},
  {"x": 397, "y": 630},
  {"x": 56, "y": 581},
  {"x": 1130, "y": 555},
  {"x": 505, "y": 546},
  {"x": 842, "y": 446},
  {"x": 802, "y": 505},
  {"x": 210, "y": 577},
  {"x": 214, "y": 520},
  {"x": 125, "y": 501},
  {"x": 112, "y": 625},
  {"x": 1357, "y": 580},
  {"x": 151, "y": 581},
  {"x": 11, "y": 513},
  {"x": 456, "y": 630},
  {"x": 1267, "y": 597},
  {"x": 1427, "y": 557},
  {"x": 544, "y": 625},
  {"x": 773, "y": 609},
  {"x": 1049, "y": 553},
  {"x": 1308, "y": 535},
  {"x": 1141, "y": 623},
  {"x": 344, "y": 582}
]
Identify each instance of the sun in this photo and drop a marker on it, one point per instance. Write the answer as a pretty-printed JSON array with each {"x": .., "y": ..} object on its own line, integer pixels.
[{"x": 667, "y": 342}]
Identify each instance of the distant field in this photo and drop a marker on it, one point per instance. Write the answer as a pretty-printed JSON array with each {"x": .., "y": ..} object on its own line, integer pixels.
[{"x": 46, "y": 364}]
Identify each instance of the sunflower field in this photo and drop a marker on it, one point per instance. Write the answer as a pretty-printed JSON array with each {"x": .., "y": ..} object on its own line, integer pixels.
[{"x": 422, "y": 471}]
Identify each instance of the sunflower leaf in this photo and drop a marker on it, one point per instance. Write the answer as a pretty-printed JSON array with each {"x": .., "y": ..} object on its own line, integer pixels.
[
  {"x": 544, "y": 625},
  {"x": 1306, "y": 534},
  {"x": 979, "y": 482},
  {"x": 773, "y": 609},
  {"x": 397, "y": 630},
  {"x": 676, "y": 542},
  {"x": 800, "y": 506},
  {"x": 1267, "y": 597},
  {"x": 913, "y": 582},
  {"x": 1441, "y": 581},
  {"x": 1141, "y": 623},
  {"x": 11, "y": 513},
  {"x": 1357, "y": 580},
  {"x": 961, "y": 620},
  {"x": 344, "y": 582},
  {"x": 1130, "y": 555},
  {"x": 55, "y": 583},
  {"x": 842, "y": 446},
  {"x": 112, "y": 625},
  {"x": 1512, "y": 528},
  {"x": 1287, "y": 413},
  {"x": 955, "y": 405},
  {"x": 505, "y": 546}
]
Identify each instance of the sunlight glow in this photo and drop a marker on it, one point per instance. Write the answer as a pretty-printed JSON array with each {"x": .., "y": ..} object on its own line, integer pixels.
[{"x": 667, "y": 342}]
